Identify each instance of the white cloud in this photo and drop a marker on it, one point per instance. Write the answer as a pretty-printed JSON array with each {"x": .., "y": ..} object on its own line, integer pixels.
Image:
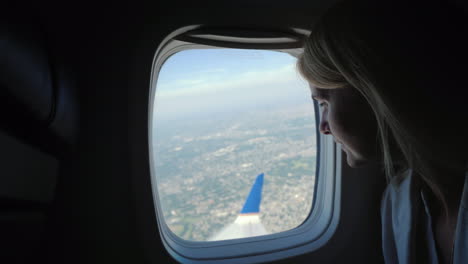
[
  {"x": 244, "y": 91},
  {"x": 244, "y": 81}
]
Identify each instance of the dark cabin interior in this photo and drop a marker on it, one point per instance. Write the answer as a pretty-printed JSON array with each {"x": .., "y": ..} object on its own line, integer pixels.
[{"x": 75, "y": 181}]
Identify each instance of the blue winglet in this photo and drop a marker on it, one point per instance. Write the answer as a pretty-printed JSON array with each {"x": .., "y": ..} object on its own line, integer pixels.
[{"x": 252, "y": 204}]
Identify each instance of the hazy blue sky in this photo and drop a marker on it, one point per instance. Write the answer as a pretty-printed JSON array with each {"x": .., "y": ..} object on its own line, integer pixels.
[{"x": 205, "y": 81}]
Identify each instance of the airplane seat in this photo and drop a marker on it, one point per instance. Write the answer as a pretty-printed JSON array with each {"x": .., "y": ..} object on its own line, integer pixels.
[{"x": 37, "y": 126}]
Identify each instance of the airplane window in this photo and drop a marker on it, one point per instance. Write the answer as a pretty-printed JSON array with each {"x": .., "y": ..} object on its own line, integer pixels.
[{"x": 234, "y": 143}]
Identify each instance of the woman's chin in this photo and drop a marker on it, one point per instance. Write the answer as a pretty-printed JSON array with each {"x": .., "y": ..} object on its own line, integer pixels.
[{"x": 354, "y": 162}]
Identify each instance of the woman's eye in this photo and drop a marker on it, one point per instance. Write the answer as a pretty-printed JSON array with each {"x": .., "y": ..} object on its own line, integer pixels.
[{"x": 322, "y": 104}]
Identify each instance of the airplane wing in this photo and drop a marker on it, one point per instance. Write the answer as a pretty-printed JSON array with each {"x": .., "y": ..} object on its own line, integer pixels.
[{"x": 247, "y": 223}]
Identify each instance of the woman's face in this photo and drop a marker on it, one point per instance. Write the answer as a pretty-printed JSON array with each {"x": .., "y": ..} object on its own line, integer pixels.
[{"x": 347, "y": 116}]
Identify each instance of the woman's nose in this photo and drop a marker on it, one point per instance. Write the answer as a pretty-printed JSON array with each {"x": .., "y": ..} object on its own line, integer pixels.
[{"x": 324, "y": 127}]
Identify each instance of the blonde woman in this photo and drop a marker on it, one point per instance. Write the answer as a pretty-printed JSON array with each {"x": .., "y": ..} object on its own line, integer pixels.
[{"x": 390, "y": 80}]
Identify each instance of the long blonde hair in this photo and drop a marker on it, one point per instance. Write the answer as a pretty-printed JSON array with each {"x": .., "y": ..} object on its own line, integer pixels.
[{"x": 359, "y": 44}]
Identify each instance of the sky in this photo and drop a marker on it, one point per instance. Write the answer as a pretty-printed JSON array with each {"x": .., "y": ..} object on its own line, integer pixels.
[{"x": 206, "y": 81}]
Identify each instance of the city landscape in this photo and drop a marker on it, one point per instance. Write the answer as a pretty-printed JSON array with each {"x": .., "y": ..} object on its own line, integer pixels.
[{"x": 206, "y": 166}]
